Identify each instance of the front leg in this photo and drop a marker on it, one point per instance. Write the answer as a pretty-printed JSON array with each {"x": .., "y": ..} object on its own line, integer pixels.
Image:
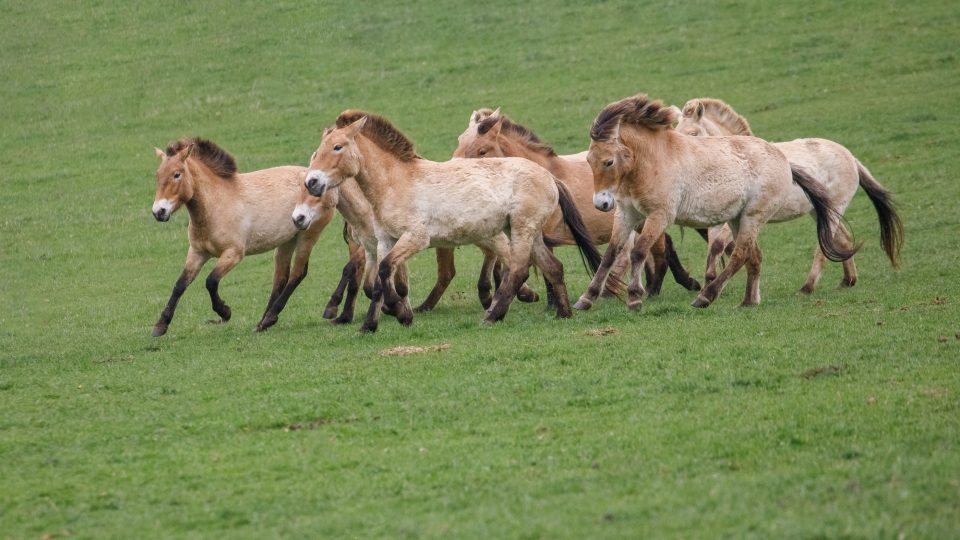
[
  {"x": 618, "y": 239},
  {"x": 195, "y": 261},
  {"x": 228, "y": 259},
  {"x": 653, "y": 229}
]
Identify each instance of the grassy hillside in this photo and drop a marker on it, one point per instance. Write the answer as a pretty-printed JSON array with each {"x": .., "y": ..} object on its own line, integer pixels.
[{"x": 829, "y": 415}]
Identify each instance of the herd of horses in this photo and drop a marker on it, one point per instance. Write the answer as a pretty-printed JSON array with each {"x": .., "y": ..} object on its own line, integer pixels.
[{"x": 648, "y": 166}]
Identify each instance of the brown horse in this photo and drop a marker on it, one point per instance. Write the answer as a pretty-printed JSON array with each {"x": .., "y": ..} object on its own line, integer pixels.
[
  {"x": 657, "y": 176},
  {"x": 831, "y": 164},
  {"x": 490, "y": 134},
  {"x": 233, "y": 215},
  {"x": 419, "y": 203}
]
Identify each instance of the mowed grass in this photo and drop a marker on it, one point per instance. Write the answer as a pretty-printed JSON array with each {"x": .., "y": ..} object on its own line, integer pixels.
[{"x": 831, "y": 415}]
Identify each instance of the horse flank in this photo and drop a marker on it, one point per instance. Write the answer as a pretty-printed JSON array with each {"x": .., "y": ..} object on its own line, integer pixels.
[
  {"x": 215, "y": 158},
  {"x": 379, "y": 130},
  {"x": 637, "y": 110}
]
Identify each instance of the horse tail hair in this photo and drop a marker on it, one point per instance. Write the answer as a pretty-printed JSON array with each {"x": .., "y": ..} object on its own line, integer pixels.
[
  {"x": 574, "y": 221},
  {"x": 824, "y": 215},
  {"x": 891, "y": 228},
  {"x": 346, "y": 232},
  {"x": 703, "y": 234}
]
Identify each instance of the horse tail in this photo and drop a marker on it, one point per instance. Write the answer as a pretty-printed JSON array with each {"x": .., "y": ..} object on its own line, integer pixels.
[
  {"x": 574, "y": 221},
  {"x": 891, "y": 228},
  {"x": 824, "y": 213}
]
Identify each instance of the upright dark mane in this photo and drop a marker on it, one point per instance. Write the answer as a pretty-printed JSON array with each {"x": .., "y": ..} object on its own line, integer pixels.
[
  {"x": 637, "y": 110},
  {"x": 379, "y": 130},
  {"x": 526, "y": 136},
  {"x": 217, "y": 159}
]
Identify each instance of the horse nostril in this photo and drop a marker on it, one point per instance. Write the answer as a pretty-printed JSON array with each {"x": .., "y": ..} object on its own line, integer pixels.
[
  {"x": 298, "y": 220},
  {"x": 311, "y": 182}
]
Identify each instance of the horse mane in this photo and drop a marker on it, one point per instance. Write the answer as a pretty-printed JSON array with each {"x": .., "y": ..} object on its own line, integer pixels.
[
  {"x": 527, "y": 137},
  {"x": 637, "y": 111},
  {"x": 720, "y": 113},
  {"x": 379, "y": 130},
  {"x": 215, "y": 158}
]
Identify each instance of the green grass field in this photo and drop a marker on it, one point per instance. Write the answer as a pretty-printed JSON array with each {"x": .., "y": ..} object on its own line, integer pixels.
[{"x": 833, "y": 415}]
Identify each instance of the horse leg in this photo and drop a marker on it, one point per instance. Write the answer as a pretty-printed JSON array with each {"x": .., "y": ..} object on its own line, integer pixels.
[
  {"x": 651, "y": 234},
  {"x": 225, "y": 263},
  {"x": 484, "y": 289},
  {"x": 658, "y": 255},
  {"x": 849, "y": 267},
  {"x": 395, "y": 291},
  {"x": 621, "y": 265},
  {"x": 754, "y": 258},
  {"x": 195, "y": 261},
  {"x": 717, "y": 238},
  {"x": 617, "y": 241},
  {"x": 680, "y": 274},
  {"x": 446, "y": 270},
  {"x": 347, "y": 278},
  {"x": 737, "y": 259},
  {"x": 552, "y": 269},
  {"x": 816, "y": 269},
  {"x": 281, "y": 275},
  {"x": 521, "y": 244},
  {"x": 353, "y": 287}
]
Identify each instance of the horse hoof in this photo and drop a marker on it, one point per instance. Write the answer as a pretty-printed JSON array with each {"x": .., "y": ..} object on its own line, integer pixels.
[
  {"x": 528, "y": 296},
  {"x": 700, "y": 302},
  {"x": 341, "y": 320},
  {"x": 330, "y": 312},
  {"x": 582, "y": 305},
  {"x": 846, "y": 283},
  {"x": 159, "y": 330},
  {"x": 635, "y": 305},
  {"x": 564, "y": 313},
  {"x": 694, "y": 285},
  {"x": 368, "y": 328},
  {"x": 807, "y": 289}
]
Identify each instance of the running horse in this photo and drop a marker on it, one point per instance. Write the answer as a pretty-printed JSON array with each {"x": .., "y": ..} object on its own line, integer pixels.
[
  {"x": 233, "y": 215},
  {"x": 419, "y": 203},
  {"x": 491, "y": 134},
  {"x": 830, "y": 163},
  {"x": 657, "y": 177}
]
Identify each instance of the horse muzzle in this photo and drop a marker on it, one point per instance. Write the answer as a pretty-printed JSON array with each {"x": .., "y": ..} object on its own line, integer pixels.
[
  {"x": 317, "y": 182},
  {"x": 162, "y": 210},
  {"x": 303, "y": 216},
  {"x": 603, "y": 201}
]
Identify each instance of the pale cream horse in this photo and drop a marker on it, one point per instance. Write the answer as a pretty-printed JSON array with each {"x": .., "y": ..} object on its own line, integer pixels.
[
  {"x": 491, "y": 134},
  {"x": 420, "y": 203},
  {"x": 829, "y": 163},
  {"x": 658, "y": 177},
  {"x": 233, "y": 215}
]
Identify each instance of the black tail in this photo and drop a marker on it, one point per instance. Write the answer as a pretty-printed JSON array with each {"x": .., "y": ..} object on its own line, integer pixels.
[
  {"x": 891, "y": 228},
  {"x": 821, "y": 207},
  {"x": 571, "y": 216}
]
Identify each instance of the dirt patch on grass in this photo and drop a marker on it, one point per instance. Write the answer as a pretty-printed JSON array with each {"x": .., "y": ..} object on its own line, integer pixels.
[
  {"x": 407, "y": 350},
  {"x": 599, "y": 332},
  {"x": 821, "y": 372}
]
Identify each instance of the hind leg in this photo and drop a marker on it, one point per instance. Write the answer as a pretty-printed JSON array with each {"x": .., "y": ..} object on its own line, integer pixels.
[
  {"x": 552, "y": 269},
  {"x": 395, "y": 291},
  {"x": 620, "y": 268},
  {"x": 719, "y": 240},
  {"x": 658, "y": 258},
  {"x": 816, "y": 270},
  {"x": 521, "y": 244},
  {"x": 348, "y": 279},
  {"x": 618, "y": 241},
  {"x": 738, "y": 258},
  {"x": 446, "y": 270},
  {"x": 754, "y": 258},
  {"x": 680, "y": 274},
  {"x": 281, "y": 270},
  {"x": 300, "y": 264}
]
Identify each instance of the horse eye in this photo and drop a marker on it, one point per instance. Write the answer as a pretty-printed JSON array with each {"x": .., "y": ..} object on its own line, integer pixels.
[
  {"x": 337, "y": 148},
  {"x": 608, "y": 163},
  {"x": 176, "y": 175},
  {"x": 482, "y": 152}
]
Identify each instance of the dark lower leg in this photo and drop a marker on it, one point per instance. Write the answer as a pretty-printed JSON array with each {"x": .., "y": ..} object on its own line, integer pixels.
[{"x": 166, "y": 315}]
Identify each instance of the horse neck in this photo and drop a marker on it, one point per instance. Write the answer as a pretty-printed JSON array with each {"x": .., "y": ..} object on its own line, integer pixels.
[
  {"x": 514, "y": 148},
  {"x": 204, "y": 194},
  {"x": 715, "y": 128},
  {"x": 381, "y": 174},
  {"x": 649, "y": 148},
  {"x": 354, "y": 206}
]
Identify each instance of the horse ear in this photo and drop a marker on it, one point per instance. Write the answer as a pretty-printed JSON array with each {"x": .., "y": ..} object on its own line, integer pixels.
[
  {"x": 474, "y": 119},
  {"x": 698, "y": 114},
  {"x": 495, "y": 114},
  {"x": 160, "y": 153},
  {"x": 187, "y": 152},
  {"x": 354, "y": 128}
]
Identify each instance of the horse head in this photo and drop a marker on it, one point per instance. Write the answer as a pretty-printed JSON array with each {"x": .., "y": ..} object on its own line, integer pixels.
[
  {"x": 174, "y": 181},
  {"x": 336, "y": 159},
  {"x": 481, "y": 136}
]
